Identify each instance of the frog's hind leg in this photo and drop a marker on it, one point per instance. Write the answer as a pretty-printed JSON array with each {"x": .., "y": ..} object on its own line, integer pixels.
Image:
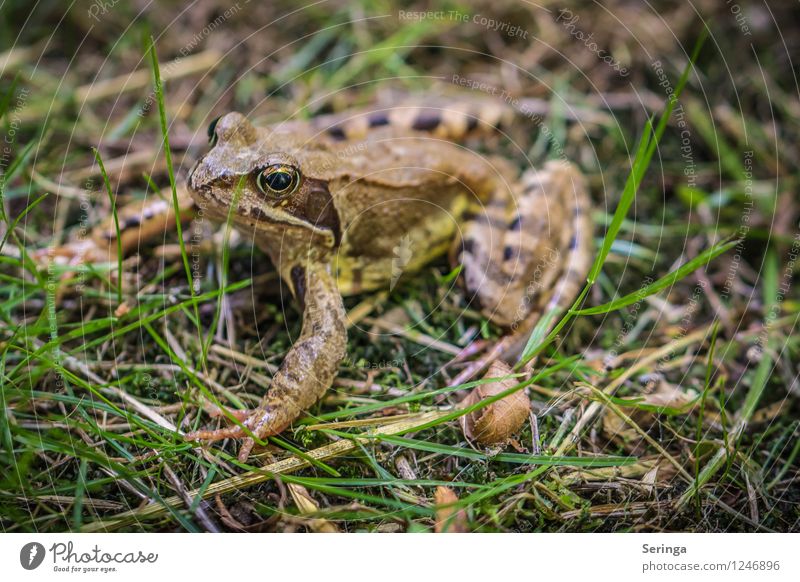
[
  {"x": 528, "y": 251},
  {"x": 137, "y": 223}
]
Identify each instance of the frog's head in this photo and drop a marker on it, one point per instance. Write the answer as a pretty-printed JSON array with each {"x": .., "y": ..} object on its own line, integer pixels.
[{"x": 249, "y": 175}]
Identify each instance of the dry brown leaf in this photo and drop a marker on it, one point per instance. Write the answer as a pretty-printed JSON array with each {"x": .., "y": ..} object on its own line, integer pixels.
[
  {"x": 448, "y": 519},
  {"x": 498, "y": 422},
  {"x": 307, "y": 504}
]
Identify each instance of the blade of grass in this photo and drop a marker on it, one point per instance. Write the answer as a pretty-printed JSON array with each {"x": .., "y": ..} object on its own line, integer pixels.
[
  {"x": 666, "y": 281},
  {"x": 80, "y": 490},
  {"x": 725, "y": 454},
  {"x": 248, "y": 479},
  {"x": 113, "y": 200},
  {"x": 644, "y": 154},
  {"x": 702, "y": 411},
  {"x": 162, "y": 115},
  {"x": 517, "y": 458},
  {"x": 17, "y": 220}
]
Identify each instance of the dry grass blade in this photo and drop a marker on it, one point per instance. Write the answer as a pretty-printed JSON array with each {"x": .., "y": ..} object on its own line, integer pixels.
[
  {"x": 239, "y": 482},
  {"x": 182, "y": 67}
]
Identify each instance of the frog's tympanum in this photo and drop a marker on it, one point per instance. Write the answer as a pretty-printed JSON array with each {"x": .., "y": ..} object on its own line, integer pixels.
[{"x": 334, "y": 201}]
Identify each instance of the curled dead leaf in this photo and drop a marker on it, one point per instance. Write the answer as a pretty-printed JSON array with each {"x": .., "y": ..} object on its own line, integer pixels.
[
  {"x": 307, "y": 505},
  {"x": 498, "y": 422},
  {"x": 448, "y": 518}
]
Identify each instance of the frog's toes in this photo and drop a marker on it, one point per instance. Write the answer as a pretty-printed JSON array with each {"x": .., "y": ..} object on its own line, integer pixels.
[
  {"x": 230, "y": 432},
  {"x": 259, "y": 423}
]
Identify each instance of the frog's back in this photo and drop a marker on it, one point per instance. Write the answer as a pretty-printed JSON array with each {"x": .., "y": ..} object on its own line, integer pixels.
[
  {"x": 405, "y": 181},
  {"x": 410, "y": 183}
]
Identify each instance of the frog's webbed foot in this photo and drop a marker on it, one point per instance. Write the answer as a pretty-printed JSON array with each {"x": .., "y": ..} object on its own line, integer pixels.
[{"x": 306, "y": 372}]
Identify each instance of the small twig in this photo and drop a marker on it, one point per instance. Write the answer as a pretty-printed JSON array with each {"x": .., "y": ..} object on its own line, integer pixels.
[{"x": 199, "y": 511}]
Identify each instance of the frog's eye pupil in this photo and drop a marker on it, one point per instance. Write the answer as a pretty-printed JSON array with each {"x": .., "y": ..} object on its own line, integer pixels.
[
  {"x": 280, "y": 180},
  {"x": 212, "y": 135}
]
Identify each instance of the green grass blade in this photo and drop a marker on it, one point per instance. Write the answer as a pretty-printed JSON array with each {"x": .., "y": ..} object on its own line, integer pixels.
[
  {"x": 666, "y": 281},
  {"x": 162, "y": 115},
  {"x": 644, "y": 154},
  {"x": 113, "y": 200}
]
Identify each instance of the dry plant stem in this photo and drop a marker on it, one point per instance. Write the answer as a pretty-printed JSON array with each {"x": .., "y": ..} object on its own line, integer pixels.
[
  {"x": 183, "y": 67},
  {"x": 629, "y": 421},
  {"x": 476, "y": 367},
  {"x": 363, "y": 309},
  {"x": 288, "y": 465}
]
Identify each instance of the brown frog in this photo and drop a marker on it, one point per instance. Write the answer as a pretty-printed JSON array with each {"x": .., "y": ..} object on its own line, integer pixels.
[
  {"x": 342, "y": 204},
  {"x": 346, "y": 204}
]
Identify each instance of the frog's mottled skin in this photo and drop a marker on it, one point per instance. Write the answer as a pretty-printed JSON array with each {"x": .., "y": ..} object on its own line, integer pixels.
[
  {"x": 380, "y": 194},
  {"x": 371, "y": 184}
]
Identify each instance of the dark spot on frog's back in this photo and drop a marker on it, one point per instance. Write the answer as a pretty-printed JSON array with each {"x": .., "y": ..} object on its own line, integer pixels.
[
  {"x": 337, "y": 133},
  {"x": 378, "y": 119},
  {"x": 427, "y": 121},
  {"x": 573, "y": 243},
  {"x": 134, "y": 220}
]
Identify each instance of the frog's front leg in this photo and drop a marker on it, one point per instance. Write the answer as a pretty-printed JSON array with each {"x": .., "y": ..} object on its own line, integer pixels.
[{"x": 309, "y": 368}]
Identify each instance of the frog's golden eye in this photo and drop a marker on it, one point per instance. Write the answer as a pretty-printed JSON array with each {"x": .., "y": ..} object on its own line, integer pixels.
[
  {"x": 278, "y": 180},
  {"x": 212, "y": 134}
]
